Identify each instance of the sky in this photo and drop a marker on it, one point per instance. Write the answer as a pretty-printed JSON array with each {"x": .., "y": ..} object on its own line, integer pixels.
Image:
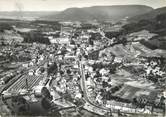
[{"x": 59, "y": 5}]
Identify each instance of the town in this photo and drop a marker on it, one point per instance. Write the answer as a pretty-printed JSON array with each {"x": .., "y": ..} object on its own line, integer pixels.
[{"x": 80, "y": 69}]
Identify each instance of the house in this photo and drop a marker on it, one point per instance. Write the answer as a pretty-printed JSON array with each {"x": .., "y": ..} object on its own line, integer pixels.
[
  {"x": 10, "y": 38},
  {"x": 60, "y": 40}
]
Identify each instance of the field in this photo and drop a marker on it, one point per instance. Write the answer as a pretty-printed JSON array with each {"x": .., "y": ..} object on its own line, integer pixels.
[{"x": 134, "y": 86}]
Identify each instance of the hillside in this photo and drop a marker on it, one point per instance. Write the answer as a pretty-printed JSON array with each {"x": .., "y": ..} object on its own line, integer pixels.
[
  {"x": 148, "y": 16},
  {"x": 155, "y": 22},
  {"x": 25, "y": 14},
  {"x": 100, "y": 13}
]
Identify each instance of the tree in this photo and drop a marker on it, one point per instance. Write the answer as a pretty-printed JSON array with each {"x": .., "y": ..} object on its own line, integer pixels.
[
  {"x": 91, "y": 41},
  {"x": 87, "y": 26},
  {"x": 5, "y": 26},
  {"x": 161, "y": 18},
  {"x": 123, "y": 40},
  {"x": 111, "y": 35},
  {"x": 63, "y": 50},
  {"x": 72, "y": 42},
  {"x": 53, "y": 68},
  {"x": 21, "y": 104},
  {"x": 95, "y": 36},
  {"x": 45, "y": 93},
  {"x": 161, "y": 21},
  {"x": 162, "y": 99},
  {"x": 46, "y": 104},
  {"x": 35, "y": 36}
]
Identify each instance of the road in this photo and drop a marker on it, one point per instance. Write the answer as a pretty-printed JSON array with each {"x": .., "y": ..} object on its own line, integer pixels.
[{"x": 83, "y": 86}]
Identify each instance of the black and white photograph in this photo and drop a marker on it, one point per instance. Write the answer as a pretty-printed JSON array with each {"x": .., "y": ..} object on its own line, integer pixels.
[{"x": 83, "y": 58}]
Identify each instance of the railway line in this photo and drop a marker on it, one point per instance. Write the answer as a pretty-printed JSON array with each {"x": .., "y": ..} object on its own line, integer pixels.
[{"x": 21, "y": 83}]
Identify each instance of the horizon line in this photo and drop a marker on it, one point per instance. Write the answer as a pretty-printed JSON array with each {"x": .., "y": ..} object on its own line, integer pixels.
[{"x": 75, "y": 7}]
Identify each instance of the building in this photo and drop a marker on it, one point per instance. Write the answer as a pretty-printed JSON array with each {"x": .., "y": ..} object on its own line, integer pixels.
[
  {"x": 61, "y": 40},
  {"x": 10, "y": 38}
]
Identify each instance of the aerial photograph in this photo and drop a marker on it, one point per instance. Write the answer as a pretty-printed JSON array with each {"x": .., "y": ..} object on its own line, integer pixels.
[{"x": 83, "y": 58}]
